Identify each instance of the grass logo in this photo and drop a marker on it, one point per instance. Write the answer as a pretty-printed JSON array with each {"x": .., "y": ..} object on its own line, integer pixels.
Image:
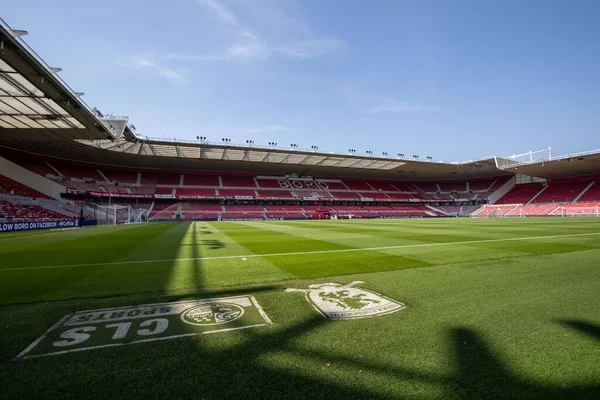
[
  {"x": 120, "y": 326},
  {"x": 212, "y": 314},
  {"x": 337, "y": 301}
]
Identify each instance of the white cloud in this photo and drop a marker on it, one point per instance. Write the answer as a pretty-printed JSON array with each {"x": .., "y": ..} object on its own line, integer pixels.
[
  {"x": 148, "y": 62},
  {"x": 222, "y": 12},
  {"x": 254, "y": 50},
  {"x": 137, "y": 61},
  {"x": 171, "y": 74},
  {"x": 288, "y": 37},
  {"x": 292, "y": 39}
]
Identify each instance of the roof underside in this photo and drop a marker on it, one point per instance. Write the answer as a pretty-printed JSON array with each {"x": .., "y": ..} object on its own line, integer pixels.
[
  {"x": 157, "y": 155},
  {"x": 565, "y": 167},
  {"x": 34, "y": 102}
]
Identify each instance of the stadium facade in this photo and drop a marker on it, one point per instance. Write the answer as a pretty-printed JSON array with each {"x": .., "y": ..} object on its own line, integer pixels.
[{"x": 62, "y": 160}]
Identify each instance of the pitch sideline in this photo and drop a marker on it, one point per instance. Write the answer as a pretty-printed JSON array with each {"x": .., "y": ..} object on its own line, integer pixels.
[{"x": 408, "y": 246}]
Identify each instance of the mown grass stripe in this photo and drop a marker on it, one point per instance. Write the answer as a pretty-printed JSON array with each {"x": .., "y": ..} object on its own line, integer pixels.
[{"x": 306, "y": 252}]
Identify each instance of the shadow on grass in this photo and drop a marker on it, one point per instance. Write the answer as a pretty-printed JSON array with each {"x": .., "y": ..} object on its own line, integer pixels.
[
  {"x": 272, "y": 363},
  {"x": 480, "y": 374},
  {"x": 585, "y": 327}
]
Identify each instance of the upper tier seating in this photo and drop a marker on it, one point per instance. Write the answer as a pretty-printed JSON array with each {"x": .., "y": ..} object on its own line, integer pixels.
[
  {"x": 498, "y": 184},
  {"x": 36, "y": 165},
  {"x": 272, "y": 183},
  {"x": 357, "y": 185},
  {"x": 121, "y": 176},
  {"x": 592, "y": 194},
  {"x": 561, "y": 192},
  {"x": 481, "y": 185},
  {"x": 521, "y": 194},
  {"x": 427, "y": 187},
  {"x": 384, "y": 186},
  {"x": 201, "y": 180},
  {"x": 453, "y": 186},
  {"x": 161, "y": 178},
  {"x": 78, "y": 171},
  {"x": 405, "y": 187},
  {"x": 238, "y": 181}
]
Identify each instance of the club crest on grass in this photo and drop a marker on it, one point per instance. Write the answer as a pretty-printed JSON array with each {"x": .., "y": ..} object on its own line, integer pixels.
[
  {"x": 212, "y": 314},
  {"x": 337, "y": 301}
]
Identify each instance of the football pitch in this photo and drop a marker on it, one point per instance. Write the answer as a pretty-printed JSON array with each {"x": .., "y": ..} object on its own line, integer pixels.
[{"x": 415, "y": 308}]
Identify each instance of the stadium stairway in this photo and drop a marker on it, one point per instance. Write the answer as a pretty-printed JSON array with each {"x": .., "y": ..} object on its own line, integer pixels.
[{"x": 583, "y": 192}]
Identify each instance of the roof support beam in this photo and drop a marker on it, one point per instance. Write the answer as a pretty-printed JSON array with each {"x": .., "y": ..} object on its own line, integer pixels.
[
  {"x": 371, "y": 163},
  {"x": 286, "y": 157},
  {"x": 266, "y": 157},
  {"x": 303, "y": 161},
  {"x": 246, "y": 155},
  {"x": 338, "y": 163},
  {"x": 354, "y": 163}
]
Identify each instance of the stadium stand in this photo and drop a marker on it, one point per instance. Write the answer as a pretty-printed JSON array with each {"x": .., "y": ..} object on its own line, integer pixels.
[
  {"x": 200, "y": 180},
  {"x": 10, "y": 211},
  {"x": 9, "y": 186},
  {"x": 592, "y": 193},
  {"x": 561, "y": 192},
  {"x": 198, "y": 193},
  {"x": 161, "y": 179},
  {"x": 238, "y": 181},
  {"x": 275, "y": 194},
  {"x": 362, "y": 198},
  {"x": 357, "y": 185},
  {"x": 426, "y": 187},
  {"x": 521, "y": 194}
]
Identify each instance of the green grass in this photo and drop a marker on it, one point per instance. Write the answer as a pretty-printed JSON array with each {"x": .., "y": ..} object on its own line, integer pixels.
[{"x": 496, "y": 308}]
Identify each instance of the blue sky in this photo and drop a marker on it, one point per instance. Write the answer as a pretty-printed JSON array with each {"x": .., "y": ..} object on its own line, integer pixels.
[{"x": 454, "y": 80}]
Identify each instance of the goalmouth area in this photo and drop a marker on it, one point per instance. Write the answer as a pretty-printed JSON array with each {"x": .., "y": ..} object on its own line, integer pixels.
[{"x": 419, "y": 308}]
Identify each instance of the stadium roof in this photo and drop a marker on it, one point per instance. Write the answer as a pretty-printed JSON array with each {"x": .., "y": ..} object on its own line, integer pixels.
[
  {"x": 569, "y": 165},
  {"x": 35, "y": 102}
]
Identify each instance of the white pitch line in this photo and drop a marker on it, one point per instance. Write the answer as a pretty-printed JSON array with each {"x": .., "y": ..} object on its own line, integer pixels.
[{"x": 408, "y": 246}]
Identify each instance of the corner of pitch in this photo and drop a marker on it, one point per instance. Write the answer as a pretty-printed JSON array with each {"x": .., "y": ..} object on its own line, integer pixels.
[{"x": 94, "y": 329}]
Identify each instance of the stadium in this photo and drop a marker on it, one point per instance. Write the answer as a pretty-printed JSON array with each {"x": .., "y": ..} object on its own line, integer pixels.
[{"x": 155, "y": 268}]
